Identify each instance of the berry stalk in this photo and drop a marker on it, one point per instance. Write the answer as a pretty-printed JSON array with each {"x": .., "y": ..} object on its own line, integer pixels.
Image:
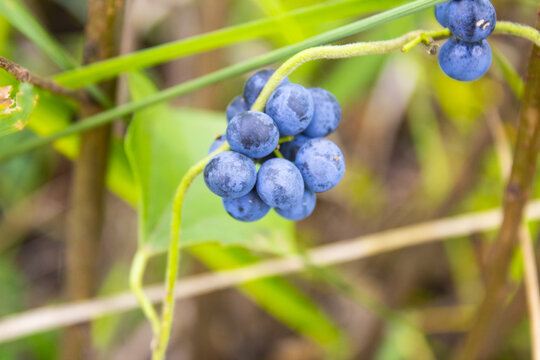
[{"x": 173, "y": 257}]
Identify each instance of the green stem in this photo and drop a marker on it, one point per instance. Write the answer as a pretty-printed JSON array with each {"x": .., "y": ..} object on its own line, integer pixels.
[
  {"x": 136, "y": 284},
  {"x": 339, "y": 52},
  {"x": 286, "y": 139},
  {"x": 174, "y": 254}
]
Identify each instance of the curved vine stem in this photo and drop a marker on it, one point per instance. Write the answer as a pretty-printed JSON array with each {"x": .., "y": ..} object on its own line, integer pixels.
[
  {"x": 173, "y": 256},
  {"x": 403, "y": 43},
  {"x": 136, "y": 285}
]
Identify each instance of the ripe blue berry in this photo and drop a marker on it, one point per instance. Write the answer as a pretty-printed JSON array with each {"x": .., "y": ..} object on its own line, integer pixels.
[
  {"x": 291, "y": 107},
  {"x": 216, "y": 144},
  {"x": 237, "y": 106},
  {"x": 280, "y": 184},
  {"x": 440, "y": 13},
  {"x": 471, "y": 20},
  {"x": 321, "y": 163},
  {"x": 290, "y": 148},
  {"x": 326, "y": 116},
  {"x": 253, "y": 133},
  {"x": 255, "y": 84},
  {"x": 247, "y": 208},
  {"x": 465, "y": 61},
  {"x": 230, "y": 174},
  {"x": 302, "y": 209}
]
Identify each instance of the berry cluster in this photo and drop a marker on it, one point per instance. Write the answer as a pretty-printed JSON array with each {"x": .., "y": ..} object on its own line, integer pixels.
[
  {"x": 467, "y": 55},
  {"x": 309, "y": 163}
]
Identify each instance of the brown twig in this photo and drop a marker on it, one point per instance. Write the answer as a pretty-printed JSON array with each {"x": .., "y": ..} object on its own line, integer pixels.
[
  {"x": 518, "y": 192},
  {"x": 24, "y": 75},
  {"x": 88, "y": 184}
]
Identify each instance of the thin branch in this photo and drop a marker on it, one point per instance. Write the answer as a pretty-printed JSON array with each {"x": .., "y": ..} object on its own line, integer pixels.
[
  {"x": 518, "y": 191},
  {"x": 24, "y": 75},
  {"x": 52, "y": 317},
  {"x": 504, "y": 153}
]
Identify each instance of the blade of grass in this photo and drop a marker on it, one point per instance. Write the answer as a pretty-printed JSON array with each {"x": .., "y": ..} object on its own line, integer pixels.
[
  {"x": 509, "y": 73},
  {"x": 228, "y": 72},
  {"x": 254, "y": 29}
]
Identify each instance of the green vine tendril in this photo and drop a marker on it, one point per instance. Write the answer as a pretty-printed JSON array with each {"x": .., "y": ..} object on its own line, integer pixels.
[{"x": 404, "y": 43}]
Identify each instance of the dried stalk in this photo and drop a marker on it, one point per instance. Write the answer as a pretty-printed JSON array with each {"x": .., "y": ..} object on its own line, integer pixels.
[{"x": 518, "y": 191}]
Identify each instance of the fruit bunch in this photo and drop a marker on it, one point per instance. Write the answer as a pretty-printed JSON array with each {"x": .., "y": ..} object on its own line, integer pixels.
[
  {"x": 258, "y": 173},
  {"x": 467, "y": 55}
]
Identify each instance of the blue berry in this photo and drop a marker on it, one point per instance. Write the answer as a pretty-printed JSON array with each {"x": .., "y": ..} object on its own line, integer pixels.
[
  {"x": 302, "y": 209},
  {"x": 471, "y": 20},
  {"x": 220, "y": 140},
  {"x": 321, "y": 163},
  {"x": 326, "y": 116},
  {"x": 247, "y": 208},
  {"x": 290, "y": 148},
  {"x": 291, "y": 107},
  {"x": 253, "y": 133},
  {"x": 440, "y": 13},
  {"x": 280, "y": 184},
  {"x": 255, "y": 84},
  {"x": 465, "y": 61},
  {"x": 237, "y": 106},
  {"x": 230, "y": 174}
]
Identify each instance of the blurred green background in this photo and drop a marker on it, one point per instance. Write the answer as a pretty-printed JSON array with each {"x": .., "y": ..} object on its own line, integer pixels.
[{"x": 418, "y": 146}]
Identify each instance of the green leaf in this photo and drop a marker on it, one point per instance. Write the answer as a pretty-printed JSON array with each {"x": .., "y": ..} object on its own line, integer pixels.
[
  {"x": 160, "y": 152},
  {"x": 280, "y": 299},
  {"x": 325, "y": 12},
  {"x": 15, "y": 112},
  {"x": 16, "y": 13}
]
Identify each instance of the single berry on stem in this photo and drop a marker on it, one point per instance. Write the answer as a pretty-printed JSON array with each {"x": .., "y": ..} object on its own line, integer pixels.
[
  {"x": 321, "y": 164},
  {"x": 235, "y": 107},
  {"x": 253, "y": 133},
  {"x": 291, "y": 107},
  {"x": 246, "y": 208},
  {"x": 302, "y": 209},
  {"x": 280, "y": 184},
  {"x": 326, "y": 116},
  {"x": 471, "y": 20},
  {"x": 255, "y": 84},
  {"x": 230, "y": 174},
  {"x": 465, "y": 61}
]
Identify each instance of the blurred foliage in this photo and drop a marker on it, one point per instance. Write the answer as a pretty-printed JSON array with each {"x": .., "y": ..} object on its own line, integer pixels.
[{"x": 435, "y": 136}]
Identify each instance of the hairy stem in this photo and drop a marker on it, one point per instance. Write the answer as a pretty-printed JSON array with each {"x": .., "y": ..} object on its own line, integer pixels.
[
  {"x": 173, "y": 256},
  {"x": 136, "y": 285},
  {"x": 518, "y": 192}
]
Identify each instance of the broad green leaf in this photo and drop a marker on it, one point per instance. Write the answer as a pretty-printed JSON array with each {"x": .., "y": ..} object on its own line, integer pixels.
[
  {"x": 279, "y": 298},
  {"x": 162, "y": 144},
  {"x": 316, "y": 14},
  {"x": 16, "y": 107}
]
